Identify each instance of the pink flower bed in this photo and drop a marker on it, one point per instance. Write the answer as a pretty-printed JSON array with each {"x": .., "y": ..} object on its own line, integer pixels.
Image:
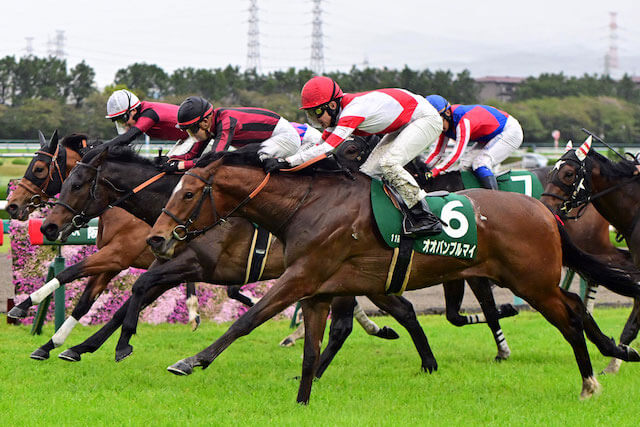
[{"x": 31, "y": 263}]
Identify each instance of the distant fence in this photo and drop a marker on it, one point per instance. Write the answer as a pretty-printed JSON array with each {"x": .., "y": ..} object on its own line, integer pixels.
[{"x": 26, "y": 147}]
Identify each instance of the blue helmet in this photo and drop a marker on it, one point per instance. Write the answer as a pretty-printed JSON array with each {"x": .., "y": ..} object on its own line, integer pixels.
[{"x": 439, "y": 103}]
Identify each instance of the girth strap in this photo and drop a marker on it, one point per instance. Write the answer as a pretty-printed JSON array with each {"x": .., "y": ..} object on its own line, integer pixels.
[
  {"x": 260, "y": 244},
  {"x": 400, "y": 268}
]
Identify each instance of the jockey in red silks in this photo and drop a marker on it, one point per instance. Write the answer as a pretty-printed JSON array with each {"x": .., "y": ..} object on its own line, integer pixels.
[
  {"x": 221, "y": 128},
  {"x": 133, "y": 117},
  {"x": 407, "y": 122},
  {"x": 496, "y": 135}
]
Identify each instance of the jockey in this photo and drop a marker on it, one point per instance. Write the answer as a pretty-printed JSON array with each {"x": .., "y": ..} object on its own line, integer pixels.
[
  {"x": 407, "y": 121},
  {"x": 236, "y": 127},
  {"x": 496, "y": 135},
  {"x": 134, "y": 117}
]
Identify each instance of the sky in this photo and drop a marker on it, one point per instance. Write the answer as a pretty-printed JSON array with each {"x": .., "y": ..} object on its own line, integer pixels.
[{"x": 487, "y": 37}]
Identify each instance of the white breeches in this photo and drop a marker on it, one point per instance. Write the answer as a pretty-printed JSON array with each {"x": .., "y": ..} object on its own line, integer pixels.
[
  {"x": 284, "y": 141},
  {"x": 312, "y": 136},
  {"x": 496, "y": 150},
  {"x": 398, "y": 148}
]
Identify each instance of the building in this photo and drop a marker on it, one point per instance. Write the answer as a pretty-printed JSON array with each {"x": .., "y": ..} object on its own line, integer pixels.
[{"x": 498, "y": 87}]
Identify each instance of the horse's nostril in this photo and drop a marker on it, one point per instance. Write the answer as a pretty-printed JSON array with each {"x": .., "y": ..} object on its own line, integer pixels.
[
  {"x": 12, "y": 209},
  {"x": 50, "y": 231},
  {"x": 155, "y": 241}
]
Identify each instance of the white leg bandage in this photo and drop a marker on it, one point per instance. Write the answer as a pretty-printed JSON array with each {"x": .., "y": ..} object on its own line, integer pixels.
[
  {"x": 476, "y": 318},
  {"x": 364, "y": 321},
  {"x": 46, "y": 289},
  {"x": 61, "y": 335}
]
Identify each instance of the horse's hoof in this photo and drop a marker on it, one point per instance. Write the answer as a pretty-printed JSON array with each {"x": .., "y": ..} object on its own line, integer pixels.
[
  {"x": 590, "y": 386},
  {"x": 195, "y": 322},
  {"x": 180, "y": 368},
  {"x": 70, "y": 355},
  {"x": 287, "y": 342},
  {"x": 632, "y": 353},
  {"x": 508, "y": 310},
  {"x": 387, "y": 333},
  {"x": 430, "y": 367},
  {"x": 17, "y": 313},
  {"x": 612, "y": 368},
  {"x": 40, "y": 354},
  {"x": 122, "y": 354},
  {"x": 499, "y": 358}
]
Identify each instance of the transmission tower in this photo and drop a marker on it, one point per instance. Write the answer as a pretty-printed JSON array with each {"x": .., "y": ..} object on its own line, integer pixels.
[
  {"x": 317, "y": 47},
  {"x": 253, "y": 43},
  {"x": 56, "y": 46},
  {"x": 29, "y": 47},
  {"x": 611, "y": 57}
]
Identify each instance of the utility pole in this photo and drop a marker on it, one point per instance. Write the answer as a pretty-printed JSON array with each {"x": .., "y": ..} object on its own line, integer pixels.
[
  {"x": 253, "y": 43},
  {"x": 611, "y": 57},
  {"x": 317, "y": 46}
]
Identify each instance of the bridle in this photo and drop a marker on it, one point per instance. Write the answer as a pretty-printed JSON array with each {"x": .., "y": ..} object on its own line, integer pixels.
[
  {"x": 181, "y": 231},
  {"x": 50, "y": 186}
]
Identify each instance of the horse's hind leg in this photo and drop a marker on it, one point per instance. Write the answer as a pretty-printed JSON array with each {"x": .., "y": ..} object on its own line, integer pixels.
[
  {"x": 402, "y": 310},
  {"x": 629, "y": 333},
  {"x": 566, "y": 312},
  {"x": 95, "y": 286},
  {"x": 233, "y": 292},
  {"x": 370, "y": 327},
  {"x": 341, "y": 327},
  {"x": 481, "y": 288},
  {"x": 590, "y": 296},
  {"x": 453, "y": 294}
]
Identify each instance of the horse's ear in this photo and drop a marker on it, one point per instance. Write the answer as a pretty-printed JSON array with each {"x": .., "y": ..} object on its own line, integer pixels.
[
  {"x": 582, "y": 152},
  {"x": 53, "y": 142},
  {"x": 43, "y": 141},
  {"x": 569, "y": 146}
]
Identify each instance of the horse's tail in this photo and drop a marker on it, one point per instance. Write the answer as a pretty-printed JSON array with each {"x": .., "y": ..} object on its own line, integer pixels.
[{"x": 621, "y": 280}]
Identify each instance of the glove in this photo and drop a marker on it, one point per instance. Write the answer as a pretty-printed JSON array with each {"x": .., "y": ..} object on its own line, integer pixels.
[
  {"x": 171, "y": 166},
  {"x": 273, "y": 165},
  {"x": 428, "y": 175}
]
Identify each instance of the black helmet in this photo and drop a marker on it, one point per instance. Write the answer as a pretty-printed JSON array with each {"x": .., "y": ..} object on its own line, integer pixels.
[{"x": 192, "y": 111}]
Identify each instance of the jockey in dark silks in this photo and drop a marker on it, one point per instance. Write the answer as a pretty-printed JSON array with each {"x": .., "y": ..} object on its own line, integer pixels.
[{"x": 496, "y": 135}]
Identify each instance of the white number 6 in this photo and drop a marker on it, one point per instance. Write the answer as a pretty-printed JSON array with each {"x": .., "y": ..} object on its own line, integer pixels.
[{"x": 448, "y": 213}]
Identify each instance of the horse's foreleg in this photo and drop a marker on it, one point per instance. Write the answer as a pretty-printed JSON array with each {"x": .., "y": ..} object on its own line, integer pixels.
[
  {"x": 453, "y": 294},
  {"x": 233, "y": 292},
  {"x": 96, "y": 340},
  {"x": 402, "y": 310},
  {"x": 95, "y": 286},
  {"x": 289, "y": 288},
  {"x": 590, "y": 296},
  {"x": 629, "y": 333},
  {"x": 192, "y": 306},
  {"x": 341, "y": 326},
  {"x": 291, "y": 339},
  {"x": 481, "y": 288},
  {"x": 370, "y": 327},
  {"x": 315, "y": 311}
]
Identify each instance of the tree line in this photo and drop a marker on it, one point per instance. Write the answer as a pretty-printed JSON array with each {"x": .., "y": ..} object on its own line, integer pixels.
[{"x": 45, "y": 93}]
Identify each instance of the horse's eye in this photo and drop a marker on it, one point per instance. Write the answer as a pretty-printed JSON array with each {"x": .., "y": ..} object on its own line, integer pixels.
[
  {"x": 38, "y": 170},
  {"x": 76, "y": 186},
  {"x": 188, "y": 195}
]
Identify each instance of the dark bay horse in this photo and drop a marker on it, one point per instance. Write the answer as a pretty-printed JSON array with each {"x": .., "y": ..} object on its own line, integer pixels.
[
  {"x": 332, "y": 248},
  {"x": 583, "y": 180},
  {"x": 218, "y": 257},
  {"x": 120, "y": 235}
]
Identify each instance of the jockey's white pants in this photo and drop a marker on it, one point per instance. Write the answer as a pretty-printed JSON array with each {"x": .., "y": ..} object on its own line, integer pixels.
[
  {"x": 496, "y": 150},
  {"x": 284, "y": 141},
  {"x": 398, "y": 148},
  {"x": 312, "y": 136}
]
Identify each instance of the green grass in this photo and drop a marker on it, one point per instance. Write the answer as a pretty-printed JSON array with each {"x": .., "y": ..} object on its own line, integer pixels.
[{"x": 371, "y": 382}]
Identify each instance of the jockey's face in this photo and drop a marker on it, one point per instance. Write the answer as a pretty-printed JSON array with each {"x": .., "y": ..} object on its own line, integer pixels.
[
  {"x": 320, "y": 115},
  {"x": 202, "y": 132}
]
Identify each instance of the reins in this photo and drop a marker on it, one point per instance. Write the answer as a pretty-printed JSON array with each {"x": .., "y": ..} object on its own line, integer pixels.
[{"x": 38, "y": 200}]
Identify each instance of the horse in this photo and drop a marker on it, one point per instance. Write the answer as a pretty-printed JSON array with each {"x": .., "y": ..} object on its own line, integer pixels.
[
  {"x": 333, "y": 248},
  {"x": 583, "y": 180},
  {"x": 120, "y": 235},
  {"x": 219, "y": 257}
]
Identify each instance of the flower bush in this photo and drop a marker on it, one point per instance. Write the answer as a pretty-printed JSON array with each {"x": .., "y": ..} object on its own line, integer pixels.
[{"x": 30, "y": 267}]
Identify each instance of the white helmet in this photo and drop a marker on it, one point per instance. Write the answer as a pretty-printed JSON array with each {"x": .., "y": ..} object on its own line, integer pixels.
[{"x": 121, "y": 102}]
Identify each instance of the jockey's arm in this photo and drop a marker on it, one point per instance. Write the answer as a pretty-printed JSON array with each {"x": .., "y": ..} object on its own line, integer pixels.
[
  {"x": 126, "y": 138},
  {"x": 463, "y": 132},
  {"x": 331, "y": 140},
  {"x": 436, "y": 152},
  {"x": 147, "y": 119}
]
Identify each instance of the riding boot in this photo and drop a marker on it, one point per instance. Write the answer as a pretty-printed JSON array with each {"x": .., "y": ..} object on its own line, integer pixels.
[
  {"x": 488, "y": 182},
  {"x": 419, "y": 221}
]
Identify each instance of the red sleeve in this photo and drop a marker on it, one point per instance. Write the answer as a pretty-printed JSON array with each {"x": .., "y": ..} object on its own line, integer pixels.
[{"x": 344, "y": 128}]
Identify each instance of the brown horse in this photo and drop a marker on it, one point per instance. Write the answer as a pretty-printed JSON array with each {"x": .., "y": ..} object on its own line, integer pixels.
[
  {"x": 219, "y": 257},
  {"x": 581, "y": 183},
  {"x": 332, "y": 248},
  {"x": 120, "y": 235}
]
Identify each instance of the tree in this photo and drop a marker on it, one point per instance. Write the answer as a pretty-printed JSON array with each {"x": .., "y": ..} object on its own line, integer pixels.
[
  {"x": 146, "y": 80},
  {"x": 82, "y": 82},
  {"x": 7, "y": 88}
]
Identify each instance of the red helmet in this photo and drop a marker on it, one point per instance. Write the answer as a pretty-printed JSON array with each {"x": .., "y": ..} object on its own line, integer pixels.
[{"x": 318, "y": 91}]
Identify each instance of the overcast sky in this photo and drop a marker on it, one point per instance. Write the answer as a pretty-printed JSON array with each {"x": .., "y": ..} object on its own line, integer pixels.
[{"x": 488, "y": 37}]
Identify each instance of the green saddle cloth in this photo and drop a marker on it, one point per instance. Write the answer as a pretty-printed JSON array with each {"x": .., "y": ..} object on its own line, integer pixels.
[
  {"x": 523, "y": 182},
  {"x": 459, "y": 239}
]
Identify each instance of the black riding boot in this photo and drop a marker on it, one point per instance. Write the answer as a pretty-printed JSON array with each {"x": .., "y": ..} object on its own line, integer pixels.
[
  {"x": 489, "y": 182},
  {"x": 419, "y": 221}
]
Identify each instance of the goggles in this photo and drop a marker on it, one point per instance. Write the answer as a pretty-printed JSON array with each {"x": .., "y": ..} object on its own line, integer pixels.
[{"x": 317, "y": 112}]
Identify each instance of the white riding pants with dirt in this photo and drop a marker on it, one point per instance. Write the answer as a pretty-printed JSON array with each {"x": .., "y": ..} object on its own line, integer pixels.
[
  {"x": 284, "y": 141},
  {"x": 496, "y": 150},
  {"x": 398, "y": 148}
]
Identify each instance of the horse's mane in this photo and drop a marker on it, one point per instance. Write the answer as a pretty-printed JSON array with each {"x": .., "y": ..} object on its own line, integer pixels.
[
  {"x": 75, "y": 142},
  {"x": 622, "y": 169},
  {"x": 119, "y": 153},
  {"x": 247, "y": 155}
]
